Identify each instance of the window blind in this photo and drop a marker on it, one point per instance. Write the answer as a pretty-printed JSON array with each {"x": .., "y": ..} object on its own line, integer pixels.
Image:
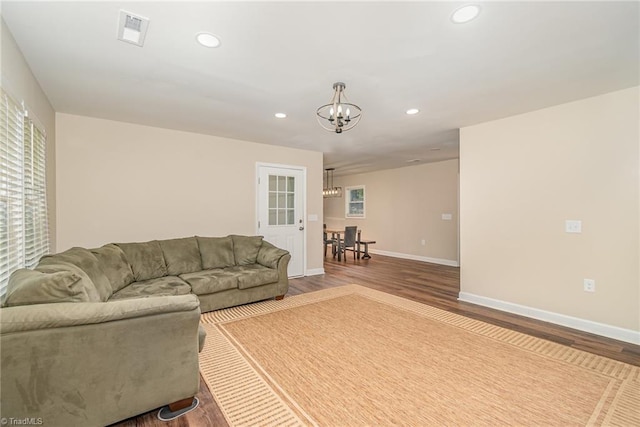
[
  {"x": 24, "y": 236},
  {"x": 36, "y": 225}
]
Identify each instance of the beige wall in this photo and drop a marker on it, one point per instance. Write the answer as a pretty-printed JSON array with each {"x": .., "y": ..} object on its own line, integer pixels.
[
  {"x": 523, "y": 176},
  {"x": 403, "y": 207},
  {"x": 125, "y": 182},
  {"x": 18, "y": 80}
]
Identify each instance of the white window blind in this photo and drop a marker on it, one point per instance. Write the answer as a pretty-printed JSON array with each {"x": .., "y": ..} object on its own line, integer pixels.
[
  {"x": 24, "y": 235},
  {"x": 36, "y": 225}
]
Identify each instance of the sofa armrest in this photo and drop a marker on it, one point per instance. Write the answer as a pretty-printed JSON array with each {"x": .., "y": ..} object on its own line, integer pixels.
[
  {"x": 44, "y": 316},
  {"x": 283, "y": 278},
  {"x": 98, "y": 363},
  {"x": 269, "y": 255},
  {"x": 273, "y": 257}
]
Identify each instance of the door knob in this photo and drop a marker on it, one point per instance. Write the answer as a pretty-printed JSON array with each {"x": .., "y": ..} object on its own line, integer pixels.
[{"x": 301, "y": 228}]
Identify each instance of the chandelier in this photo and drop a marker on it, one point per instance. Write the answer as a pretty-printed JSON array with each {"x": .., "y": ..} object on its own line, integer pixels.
[
  {"x": 329, "y": 190},
  {"x": 339, "y": 115}
]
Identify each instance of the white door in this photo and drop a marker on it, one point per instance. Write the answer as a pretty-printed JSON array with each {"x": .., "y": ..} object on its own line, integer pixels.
[{"x": 281, "y": 191}]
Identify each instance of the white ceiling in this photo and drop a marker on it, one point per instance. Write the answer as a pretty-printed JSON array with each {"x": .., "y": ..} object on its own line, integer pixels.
[{"x": 285, "y": 56}]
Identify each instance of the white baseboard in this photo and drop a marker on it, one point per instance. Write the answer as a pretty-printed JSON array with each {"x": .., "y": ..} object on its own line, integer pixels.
[
  {"x": 621, "y": 334},
  {"x": 449, "y": 262},
  {"x": 314, "y": 272}
]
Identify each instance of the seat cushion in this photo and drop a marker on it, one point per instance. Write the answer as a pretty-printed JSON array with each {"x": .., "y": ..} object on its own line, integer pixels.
[
  {"x": 39, "y": 287},
  {"x": 181, "y": 255},
  {"x": 87, "y": 262},
  {"x": 115, "y": 266},
  {"x": 246, "y": 248},
  {"x": 250, "y": 276},
  {"x": 162, "y": 286},
  {"x": 146, "y": 259},
  {"x": 211, "y": 281},
  {"x": 216, "y": 252}
]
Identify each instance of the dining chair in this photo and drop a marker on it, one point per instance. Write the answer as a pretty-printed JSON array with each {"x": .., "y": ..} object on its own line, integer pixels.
[
  {"x": 326, "y": 240},
  {"x": 349, "y": 241}
]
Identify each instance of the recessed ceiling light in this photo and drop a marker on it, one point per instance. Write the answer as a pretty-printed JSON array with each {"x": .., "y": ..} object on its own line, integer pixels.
[
  {"x": 281, "y": 115},
  {"x": 413, "y": 160},
  {"x": 465, "y": 13},
  {"x": 208, "y": 40},
  {"x": 434, "y": 148},
  {"x": 412, "y": 111}
]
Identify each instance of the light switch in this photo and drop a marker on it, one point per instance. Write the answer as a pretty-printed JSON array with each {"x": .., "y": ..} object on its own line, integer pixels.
[
  {"x": 312, "y": 217},
  {"x": 573, "y": 226},
  {"x": 447, "y": 217}
]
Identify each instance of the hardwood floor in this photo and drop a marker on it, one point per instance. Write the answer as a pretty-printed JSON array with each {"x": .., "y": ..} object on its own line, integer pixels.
[{"x": 431, "y": 284}]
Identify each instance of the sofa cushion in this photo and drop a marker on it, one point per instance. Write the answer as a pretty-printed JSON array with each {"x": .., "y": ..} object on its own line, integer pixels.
[
  {"x": 92, "y": 292},
  {"x": 216, "y": 252},
  {"x": 115, "y": 266},
  {"x": 181, "y": 255},
  {"x": 87, "y": 262},
  {"x": 250, "y": 276},
  {"x": 38, "y": 287},
  {"x": 146, "y": 259},
  {"x": 211, "y": 281},
  {"x": 246, "y": 248},
  {"x": 162, "y": 286}
]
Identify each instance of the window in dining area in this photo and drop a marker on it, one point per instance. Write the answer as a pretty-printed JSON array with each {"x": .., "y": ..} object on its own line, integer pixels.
[{"x": 355, "y": 202}]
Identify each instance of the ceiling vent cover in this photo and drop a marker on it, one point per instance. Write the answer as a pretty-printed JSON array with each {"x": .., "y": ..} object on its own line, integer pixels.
[{"x": 132, "y": 28}]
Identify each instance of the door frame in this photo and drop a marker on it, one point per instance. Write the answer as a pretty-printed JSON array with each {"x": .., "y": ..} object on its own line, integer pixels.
[{"x": 302, "y": 169}]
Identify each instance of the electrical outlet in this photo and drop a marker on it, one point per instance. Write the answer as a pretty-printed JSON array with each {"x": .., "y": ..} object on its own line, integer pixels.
[
  {"x": 423, "y": 242},
  {"x": 589, "y": 285},
  {"x": 573, "y": 226}
]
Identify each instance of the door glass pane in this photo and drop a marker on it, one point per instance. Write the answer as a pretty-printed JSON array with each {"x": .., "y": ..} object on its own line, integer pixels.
[{"x": 281, "y": 200}]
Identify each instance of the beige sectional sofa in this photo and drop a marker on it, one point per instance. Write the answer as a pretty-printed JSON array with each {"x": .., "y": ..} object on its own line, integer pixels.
[{"x": 93, "y": 336}]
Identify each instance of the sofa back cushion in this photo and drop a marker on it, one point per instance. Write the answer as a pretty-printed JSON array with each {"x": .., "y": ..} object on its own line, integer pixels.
[
  {"x": 246, "y": 248},
  {"x": 39, "y": 287},
  {"x": 146, "y": 259},
  {"x": 87, "y": 262},
  {"x": 216, "y": 252},
  {"x": 181, "y": 255},
  {"x": 115, "y": 266}
]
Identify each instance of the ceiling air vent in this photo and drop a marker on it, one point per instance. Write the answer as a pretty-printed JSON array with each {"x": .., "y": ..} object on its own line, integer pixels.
[{"x": 132, "y": 28}]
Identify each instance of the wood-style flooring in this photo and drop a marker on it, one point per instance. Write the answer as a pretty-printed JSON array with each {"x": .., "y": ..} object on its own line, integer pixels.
[{"x": 431, "y": 284}]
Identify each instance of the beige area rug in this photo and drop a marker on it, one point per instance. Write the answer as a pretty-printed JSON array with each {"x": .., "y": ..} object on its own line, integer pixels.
[{"x": 353, "y": 356}]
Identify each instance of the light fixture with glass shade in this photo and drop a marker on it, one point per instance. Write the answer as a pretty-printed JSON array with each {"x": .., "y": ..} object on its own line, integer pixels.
[
  {"x": 329, "y": 190},
  {"x": 339, "y": 115},
  {"x": 208, "y": 39},
  {"x": 465, "y": 13}
]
